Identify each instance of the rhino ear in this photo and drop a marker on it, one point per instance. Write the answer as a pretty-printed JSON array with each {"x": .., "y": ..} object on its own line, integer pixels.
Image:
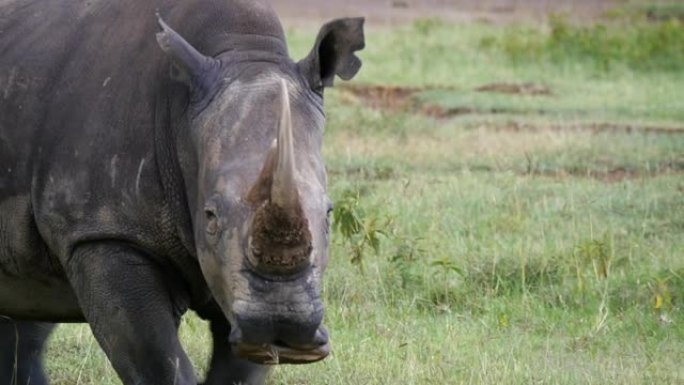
[
  {"x": 333, "y": 53},
  {"x": 189, "y": 66}
]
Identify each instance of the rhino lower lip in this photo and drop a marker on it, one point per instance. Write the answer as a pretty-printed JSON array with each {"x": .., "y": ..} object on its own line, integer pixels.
[{"x": 274, "y": 354}]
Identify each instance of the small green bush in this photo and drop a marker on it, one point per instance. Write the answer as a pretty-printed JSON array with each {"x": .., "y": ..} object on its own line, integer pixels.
[{"x": 360, "y": 230}]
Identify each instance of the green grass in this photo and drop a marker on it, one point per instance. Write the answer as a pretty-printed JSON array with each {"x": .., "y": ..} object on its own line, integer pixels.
[
  {"x": 635, "y": 43},
  {"x": 520, "y": 246}
]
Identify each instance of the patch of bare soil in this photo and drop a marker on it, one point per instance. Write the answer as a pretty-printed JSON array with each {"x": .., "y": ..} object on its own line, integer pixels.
[
  {"x": 391, "y": 98},
  {"x": 659, "y": 17},
  {"x": 403, "y": 99},
  {"x": 398, "y": 99},
  {"x": 587, "y": 126},
  {"x": 533, "y": 89},
  {"x": 616, "y": 175}
]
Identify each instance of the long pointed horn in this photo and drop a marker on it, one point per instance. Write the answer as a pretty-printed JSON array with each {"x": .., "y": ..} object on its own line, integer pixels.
[
  {"x": 284, "y": 189},
  {"x": 280, "y": 239}
]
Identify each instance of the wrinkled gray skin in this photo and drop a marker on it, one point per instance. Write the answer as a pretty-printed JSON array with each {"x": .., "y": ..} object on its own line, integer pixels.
[{"x": 146, "y": 170}]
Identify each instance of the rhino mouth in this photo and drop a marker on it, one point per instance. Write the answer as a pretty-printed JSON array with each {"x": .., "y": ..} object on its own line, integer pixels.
[{"x": 279, "y": 353}]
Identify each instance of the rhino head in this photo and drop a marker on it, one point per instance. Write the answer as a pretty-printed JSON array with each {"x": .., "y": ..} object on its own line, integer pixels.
[{"x": 256, "y": 185}]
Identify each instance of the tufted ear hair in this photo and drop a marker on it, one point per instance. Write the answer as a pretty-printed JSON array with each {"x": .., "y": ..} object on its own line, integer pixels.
[
  {"x": 333, "y": 53},
  {"x": 189, "y": 65}
]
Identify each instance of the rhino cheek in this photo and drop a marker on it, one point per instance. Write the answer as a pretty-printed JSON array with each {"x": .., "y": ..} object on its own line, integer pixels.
[{"x": 222, "y": 272}]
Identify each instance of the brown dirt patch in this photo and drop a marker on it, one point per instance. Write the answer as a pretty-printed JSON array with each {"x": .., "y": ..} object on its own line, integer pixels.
[
  {"x": 392, "y": 98},
  {"x": 591, "y": 127},
  {"x": 399, "y": 99},
  {"x": 533, "y": 89},
  {"x": 615, "y": 175},
  {"x": 658, "y": 17},
  {"x": 403, "y": 99}
]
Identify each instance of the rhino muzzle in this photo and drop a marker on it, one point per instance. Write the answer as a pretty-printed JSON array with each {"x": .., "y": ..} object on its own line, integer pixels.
[{"x": 280, "y": 322}]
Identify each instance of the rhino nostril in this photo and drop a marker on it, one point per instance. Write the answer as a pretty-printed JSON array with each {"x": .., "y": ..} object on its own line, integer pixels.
[{"x": 321, "y": 337}]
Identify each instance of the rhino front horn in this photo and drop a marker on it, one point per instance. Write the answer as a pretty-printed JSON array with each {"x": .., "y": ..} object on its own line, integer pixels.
[
  {"x": 284, "y": 188},
  {"x": 280, "y": 241}
]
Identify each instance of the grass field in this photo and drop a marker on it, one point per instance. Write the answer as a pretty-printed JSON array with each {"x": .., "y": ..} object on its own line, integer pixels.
[{"x": 529, "y": 232}]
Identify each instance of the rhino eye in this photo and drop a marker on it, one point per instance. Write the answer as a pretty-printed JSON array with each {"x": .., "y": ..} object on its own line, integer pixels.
[{"x": 212, "y": 221}]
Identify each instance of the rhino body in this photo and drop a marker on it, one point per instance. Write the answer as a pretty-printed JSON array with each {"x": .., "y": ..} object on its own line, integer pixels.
[{"x": 159, "y": 156}]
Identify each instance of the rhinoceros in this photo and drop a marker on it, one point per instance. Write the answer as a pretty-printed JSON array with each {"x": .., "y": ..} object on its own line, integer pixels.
[{"x": 160, "y": 156}]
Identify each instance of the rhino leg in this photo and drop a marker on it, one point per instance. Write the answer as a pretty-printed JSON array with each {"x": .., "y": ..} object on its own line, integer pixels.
[
  {"x": 21, "y": 352},
  {"x": 133, "y": 307},
  {"x": 224, "y": 367}
]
